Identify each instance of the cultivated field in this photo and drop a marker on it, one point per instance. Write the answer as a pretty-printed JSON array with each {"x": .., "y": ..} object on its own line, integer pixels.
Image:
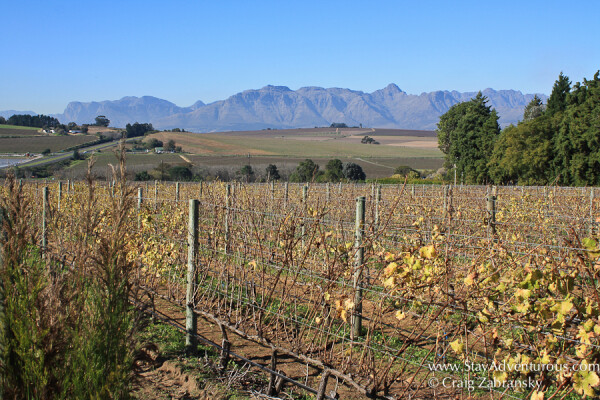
[
  {"x": 37, "y": 144},
  {"x": 14, "y": 130},
  {"x": 367, "y": 290},
  {"x": 321, "y": 142}
]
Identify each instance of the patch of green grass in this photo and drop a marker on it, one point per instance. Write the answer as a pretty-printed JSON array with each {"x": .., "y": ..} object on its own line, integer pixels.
[
  {"x": 25, "y": 128},
  {"x": 170, "y": 340}
]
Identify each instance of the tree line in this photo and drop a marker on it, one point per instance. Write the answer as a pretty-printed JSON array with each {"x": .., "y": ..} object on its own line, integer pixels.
[
  {"x": 555, "y": 143},
  {"x": 306, "y": 171}
]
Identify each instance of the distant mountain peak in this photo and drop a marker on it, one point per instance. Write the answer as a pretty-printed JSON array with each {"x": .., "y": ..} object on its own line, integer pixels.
[
  {"x": 280, "y": 107},
  {"x": 392, "y": 87}
]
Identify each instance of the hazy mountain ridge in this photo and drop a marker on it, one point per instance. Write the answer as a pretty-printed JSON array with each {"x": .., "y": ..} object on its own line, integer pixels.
[{"x": 281, "y": 107}]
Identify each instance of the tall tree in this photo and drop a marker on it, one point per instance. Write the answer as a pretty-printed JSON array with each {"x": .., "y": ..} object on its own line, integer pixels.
[
  {"x": 577, "y": 144},
  {"x": 523, "y": 154},
  {"x": 558, "y": 98},
  {"x": 354, "y": 172},
  {"x": 334, "y": 170},
  {"x": 306, "y": 171},
  {"x": 101, "y": 120},
  {"x": 272, "y": 172},
  {"x": 466, "y": 135}
]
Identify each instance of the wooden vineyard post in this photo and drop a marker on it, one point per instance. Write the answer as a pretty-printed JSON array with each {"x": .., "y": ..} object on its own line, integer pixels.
[
  {"x": 377, "y": 201},
  {"x": 139, "y": 198},
  {"x": 286, "y": 193},
  {"x": 491, "y": 211},
  {"x": 356, "y": 320},
  {"x": 271, "y": 391},
  {"x": 200, "y": 190},
  {"x": 445, "y": 195},
  {"x": 177, "y": 192},
  {"x": 272, "y": 190},
  {"x": 227, "y": 206},
  {"x": 191, "y": 321},
  {"x": 155, "y": 193},
  {"x": 412, "y": 190},
  {"x": 328, "y": 191},
  {"x": 304, "y": 206},
  {"x": 225, "y": 348},
  {"x": 323, "y": 385},
  {"x": 59, "y": 194},
  {"x": 44, "y": 217},
  {"x": 139, "y": 205}
]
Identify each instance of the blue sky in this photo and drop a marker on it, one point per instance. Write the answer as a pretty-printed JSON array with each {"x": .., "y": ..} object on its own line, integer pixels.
[{"x": 58, "y": 51}]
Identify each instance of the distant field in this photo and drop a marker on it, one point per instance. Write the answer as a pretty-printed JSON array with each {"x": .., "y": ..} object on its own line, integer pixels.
[
  {"x": 374, "y": 168},
  {"x": 135, "y": 162},
  {"x": 37, "y": 144},
  {"x": 309, "y": 143},
  {"x": 14, "y": 130},
  {"x": 25, "y": 128}
]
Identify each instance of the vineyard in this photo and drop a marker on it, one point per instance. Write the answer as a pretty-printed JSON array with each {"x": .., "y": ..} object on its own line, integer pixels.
[{"x": 394, "y": 291}]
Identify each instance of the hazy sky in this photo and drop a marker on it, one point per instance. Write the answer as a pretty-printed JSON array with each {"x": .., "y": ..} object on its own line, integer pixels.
[{"x": 58, "y": 51}]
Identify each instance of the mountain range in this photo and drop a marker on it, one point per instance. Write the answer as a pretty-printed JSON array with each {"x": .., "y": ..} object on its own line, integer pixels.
[{"x": 280, "y": 107}]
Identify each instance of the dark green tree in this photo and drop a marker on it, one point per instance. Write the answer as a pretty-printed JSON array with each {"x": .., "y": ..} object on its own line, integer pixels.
[
  {"x": 354, "y": 172},
  {"x": 334, "y": 170},
  {"x": 101, "y": 120},
  {"x": 170, "y": 146},
  {"x": 38, "y": 121},
  {"x": 558, "y": 98},
  {"x": 577, "y": 145},
  {"x": 152, "y": 143},
  {"x": 272, "y": 172},
  {"x": 247, "y": 173},
  {"x": 306, "y": 171},
  {"x": 466, "y": 135},
  {"x": 524, "y": 153},
  {"x": 180, "y": 173},
  {"x": 2, "y": 120},
  {"x": 143, "y": 176},
  {"x": 137, "y": 129}
]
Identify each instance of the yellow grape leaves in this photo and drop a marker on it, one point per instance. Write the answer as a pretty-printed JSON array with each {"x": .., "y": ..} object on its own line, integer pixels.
[
  {"x": 427, "y": 252},
  {"x": 457, "y": 346},
  {"x": 390, "y": 269},
  {"x": 535, "y": 395},
  {"x": 585, "y": 381}
]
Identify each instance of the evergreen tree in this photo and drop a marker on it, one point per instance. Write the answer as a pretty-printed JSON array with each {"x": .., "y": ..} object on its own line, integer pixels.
[
  {"x": 272, "y": 172},
  {"x": 354, "y": 172},
  {"x": 577, "y": 144},
  {"x": 558, "y": 98},
  {"x": 307, "y": 171},
  {"x": 334, "y": 170},
  {"x": 466, "y": 135}
]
